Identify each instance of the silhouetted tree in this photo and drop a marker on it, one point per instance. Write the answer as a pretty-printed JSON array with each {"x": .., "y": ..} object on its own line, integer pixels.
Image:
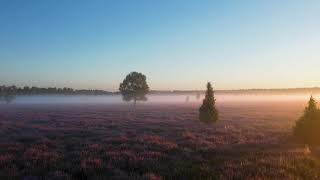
[
  {"x": 134, "y": 87},
  {"x": 50, "y": 90},
  {"x": 208, "y": 111},
  {"x": 307, "y": 128}
]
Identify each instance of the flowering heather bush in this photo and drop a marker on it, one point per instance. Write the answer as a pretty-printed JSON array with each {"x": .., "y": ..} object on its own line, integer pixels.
[
  {"x": 95, "y": 146},
  {"x": 119, "y": 139},
  {"x": 14, "y": 147},
  {"x": 5, "y": 159},
  {"x": 152, "y": 176},
  {"x": 91, "y": 164},
  {"x": 127, "y": 155},
  {"x": 122, "y": 156},
  {"x": 151, "y": 155},
  {"x": 41, "y": 155},
  {"x": 158, "y": 141},
  {"x": 153, "y": 142},
  {"x": 266, "y": 166},
  {"x": 196, "y": 140},
  {"x": 60, "y": 175}
]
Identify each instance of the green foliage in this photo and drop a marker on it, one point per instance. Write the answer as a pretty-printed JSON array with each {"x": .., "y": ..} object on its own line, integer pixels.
[
  {"x": 307, "y": 128},
  {"x": 134, "y": 87},
  {"x": 208, "y": 111}
]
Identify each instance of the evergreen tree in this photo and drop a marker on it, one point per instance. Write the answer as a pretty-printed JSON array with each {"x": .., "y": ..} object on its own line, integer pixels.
[
  {"x": 307, "y": 128},
  {"x": 312, "y": 106},
  {"x": 208, "y": 111}
]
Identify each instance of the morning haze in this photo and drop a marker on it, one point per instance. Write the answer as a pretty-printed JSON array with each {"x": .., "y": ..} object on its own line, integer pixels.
[{"x": 156, "y": 90}]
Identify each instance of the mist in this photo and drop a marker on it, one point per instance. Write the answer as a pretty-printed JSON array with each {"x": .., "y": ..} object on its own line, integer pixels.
[{"x": 157, "y": 99}]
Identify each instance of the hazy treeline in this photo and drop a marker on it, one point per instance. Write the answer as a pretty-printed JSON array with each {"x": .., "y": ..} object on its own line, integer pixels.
[
  {"x": 69, "y": 91},
  {"x": 313, "y": 90},
  {"x": 13, "y": 90}
]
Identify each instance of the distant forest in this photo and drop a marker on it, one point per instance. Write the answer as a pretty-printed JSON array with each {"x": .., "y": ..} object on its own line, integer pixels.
[
  {"x": 13, "y": 90},
  {"x": 313, "y": 90}
]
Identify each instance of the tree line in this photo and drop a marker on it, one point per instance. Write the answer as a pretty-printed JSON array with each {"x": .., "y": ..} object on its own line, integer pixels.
[{"x": 13, "y": 90}]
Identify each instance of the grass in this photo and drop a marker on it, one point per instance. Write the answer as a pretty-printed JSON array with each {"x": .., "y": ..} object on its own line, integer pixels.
[{"x": 252, "y": 141}]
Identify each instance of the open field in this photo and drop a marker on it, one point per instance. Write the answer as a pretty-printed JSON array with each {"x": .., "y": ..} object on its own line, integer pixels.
[{"x": 153, "y": 141}]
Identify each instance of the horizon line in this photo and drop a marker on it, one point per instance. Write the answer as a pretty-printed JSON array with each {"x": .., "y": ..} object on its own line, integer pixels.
[{"x": 176, "y": 90}]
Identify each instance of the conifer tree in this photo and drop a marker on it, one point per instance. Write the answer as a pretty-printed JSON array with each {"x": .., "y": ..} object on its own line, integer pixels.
[
  {"x": 208, "y": 111},
  {"x": 312, "y": 106},
  {"x": 307, "y": 128}
]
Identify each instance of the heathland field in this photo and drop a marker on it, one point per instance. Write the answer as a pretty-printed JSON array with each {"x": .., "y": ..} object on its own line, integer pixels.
[{"x": 251, "y": 140}]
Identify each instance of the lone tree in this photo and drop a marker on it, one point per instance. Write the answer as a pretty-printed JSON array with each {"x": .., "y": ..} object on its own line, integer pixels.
[
  {"x": 208, "y": 111},
  {"x": 134, "y": 87},
  {"x": 307, "y": 128}
]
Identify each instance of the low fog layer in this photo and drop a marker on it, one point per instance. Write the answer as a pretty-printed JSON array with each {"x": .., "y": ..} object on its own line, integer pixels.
[{"x": 155, "y": 99}]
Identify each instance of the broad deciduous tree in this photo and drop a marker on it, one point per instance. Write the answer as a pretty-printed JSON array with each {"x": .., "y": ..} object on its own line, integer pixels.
[{"x": 134, "y": 87}]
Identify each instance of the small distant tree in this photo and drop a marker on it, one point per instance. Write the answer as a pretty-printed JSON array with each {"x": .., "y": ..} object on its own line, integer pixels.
[
  {"x": 307, "y": 128},
  {"x": 198, "y": 95},
  {"x": 134, "y": 87},
  {"x": 208, "y": 111},
  {"x": 187, "y": 99}
]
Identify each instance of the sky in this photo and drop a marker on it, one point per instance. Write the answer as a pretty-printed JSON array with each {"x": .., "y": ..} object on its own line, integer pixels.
[{"x": 177, "y": 44}]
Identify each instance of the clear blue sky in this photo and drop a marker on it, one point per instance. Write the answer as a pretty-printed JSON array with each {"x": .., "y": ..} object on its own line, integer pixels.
[{"x": 178, "y": 44}]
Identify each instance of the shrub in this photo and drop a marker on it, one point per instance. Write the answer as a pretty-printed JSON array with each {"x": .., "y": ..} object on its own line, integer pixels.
[
  {"x": 208, "y": 111},
  {"x": 307, "y": 128}
]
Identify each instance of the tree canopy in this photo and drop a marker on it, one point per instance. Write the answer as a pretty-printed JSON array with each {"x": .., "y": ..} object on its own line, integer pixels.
[{"x": 134, "y": 87}]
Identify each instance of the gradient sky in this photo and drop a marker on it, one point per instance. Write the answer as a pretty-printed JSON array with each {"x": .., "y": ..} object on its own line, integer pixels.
[{"x": 178, "y": 44}]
